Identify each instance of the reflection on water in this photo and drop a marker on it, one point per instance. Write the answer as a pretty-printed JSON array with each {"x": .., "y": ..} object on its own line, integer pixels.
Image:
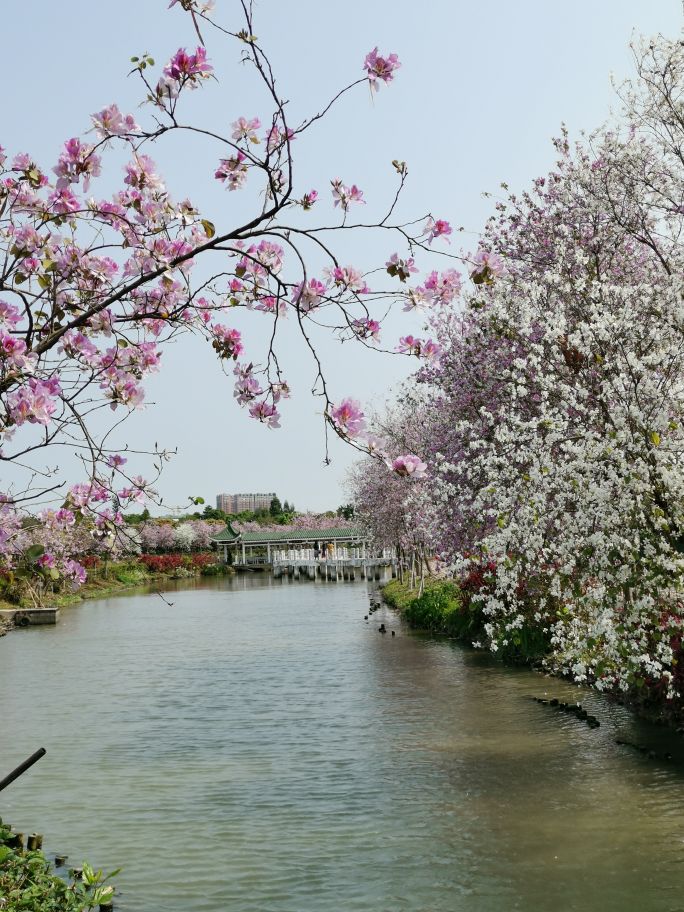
[{"x": 257, "y": 745}]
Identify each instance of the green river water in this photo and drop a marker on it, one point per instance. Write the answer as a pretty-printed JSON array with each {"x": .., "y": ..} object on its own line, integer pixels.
[{"x": 256, "y": 745}]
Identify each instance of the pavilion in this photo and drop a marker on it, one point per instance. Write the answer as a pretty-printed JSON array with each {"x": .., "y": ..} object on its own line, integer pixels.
[{"x": 259, "y": 548}]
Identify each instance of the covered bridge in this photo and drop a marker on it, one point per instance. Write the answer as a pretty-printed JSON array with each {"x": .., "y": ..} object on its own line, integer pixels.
[{"x": 254, "y": 548}]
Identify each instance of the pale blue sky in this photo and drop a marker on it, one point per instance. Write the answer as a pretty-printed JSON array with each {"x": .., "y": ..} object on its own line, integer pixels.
[{"x": 481, "y": 90}]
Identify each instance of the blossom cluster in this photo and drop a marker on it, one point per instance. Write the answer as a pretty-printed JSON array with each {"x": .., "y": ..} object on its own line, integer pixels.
[{"x": 552, "y": 422}]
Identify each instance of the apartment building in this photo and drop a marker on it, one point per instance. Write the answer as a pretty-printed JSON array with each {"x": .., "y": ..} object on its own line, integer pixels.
[{"x": 238, "y": 503}]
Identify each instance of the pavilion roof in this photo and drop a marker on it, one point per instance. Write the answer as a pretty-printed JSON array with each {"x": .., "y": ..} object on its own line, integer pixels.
[{"x": 341, "y": 533}]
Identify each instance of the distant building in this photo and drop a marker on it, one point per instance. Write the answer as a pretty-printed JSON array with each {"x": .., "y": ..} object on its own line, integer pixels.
[{"x": 239, "y": 503}]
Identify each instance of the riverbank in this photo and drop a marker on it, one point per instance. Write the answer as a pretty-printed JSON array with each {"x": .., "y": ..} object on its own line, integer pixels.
[
  {"x": 27, "y": 883},
  {"x": 110, "y": 579},
  {"x": 446, "y": 608}
]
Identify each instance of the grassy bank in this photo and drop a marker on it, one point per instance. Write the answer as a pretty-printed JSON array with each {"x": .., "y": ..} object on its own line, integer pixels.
[
  {"x": 105, "y": 580},
  {"x": 445, "y": 608},
  {"x": 27, "y": 884}
]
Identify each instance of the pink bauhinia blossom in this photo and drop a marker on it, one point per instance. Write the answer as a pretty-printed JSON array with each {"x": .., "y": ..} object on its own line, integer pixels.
[
  {"x": 343, "y": 196},
  {"x": 227, "y": 342},
  {"x": 233, "y": 171},
  {"x": 380, "y": 69},
  {"x": 266, "y": 413},
  {"x": 307, "y": 295},
  {"x": 244, "y": 129},
  {"x": 247, "y": 387},
  {"x": 191, "y": 67},
  {"x": 488, "y": 266},
  {"x": 409, "y": 465},
  {"x": 111, "y": 122},
  {"x": 348, "y": 277},
  {"x": 366, "y": 328},
  {"x": 75, "y": 571},
  {"x": 309, "y": 199},
  {"x": 409, "y": 345},
  {"x": 277, "y": 137},
  {"x": 436, "y": 229},
  {"x": 348, "y": 417}
]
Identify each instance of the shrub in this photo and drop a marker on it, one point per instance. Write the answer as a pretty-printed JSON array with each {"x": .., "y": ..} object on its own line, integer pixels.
[
  {"x": 162, "y": 563},
  {"x": 174, "y": 563},
  {"x": 90, "y": 561},
  {"x": 26, "y": 883}
]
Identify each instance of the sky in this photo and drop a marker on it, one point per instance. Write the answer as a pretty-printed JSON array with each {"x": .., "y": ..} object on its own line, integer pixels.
[{"x": 482, "y": 89}]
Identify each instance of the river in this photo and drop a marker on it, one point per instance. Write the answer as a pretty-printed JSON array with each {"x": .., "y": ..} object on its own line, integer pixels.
[{"x": 252, "y": 744}]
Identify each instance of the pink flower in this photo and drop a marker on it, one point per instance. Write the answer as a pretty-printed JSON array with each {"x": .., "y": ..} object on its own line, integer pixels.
[
  {"x": 409, "y": 465},
  {"x": 141, "y": 174},
  {"x": 64, "y": 518},
  {"x": 116, "y": 461},
  {"x": 63, "y": 201},
  {"x": 268, "y": 254},
  {"x": 440, "y": 289},
  {"x": 227, "y": 342},
  {"x": 74, "y": 571},
  {"x": 189, "y": 67},
  {"x": 380, "y": 69},
  {"x": 13, "y": 350},
  {"x": 366, "y": 329},
  {"x": 271, "y": 304},
  {"x": 409, "y": 345},
  {"x": 307, "y": 295},
  {"x": 431, "y": 351},
  {"x": 244, "y": 129},
  {"x": 233, "y": 171},
  {"x": 348, "y": 417},
  {"x": 9, "y": 314},
  {"x": 34, "y": 402},
  {"x": 247, "y": 386},
  {"x": 111, "y": 122},
  {"x": 488, "y": 266},
  {"x": 276, "y": 137},
  {"x": 376, "y": 446},
  {"x": 46, "y": 561},
  {"x": 76, "y": 161},
  {"x": 309, "y": 199},
  {"x": 428, "y": 350},
  {"x": 348, "y": 277},
  {"x": 435, "y": 229},
  {"x": 267, "y": 414},
  {"x": 343, "y": 196}
]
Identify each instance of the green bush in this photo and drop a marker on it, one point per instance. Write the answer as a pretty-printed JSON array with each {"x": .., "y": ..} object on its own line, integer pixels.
[
  {"x": 217, "y": 570},
  {"x": 26, "y": 884},
  {"x": 444, "y": 608},
  {"x": 129, "y": 574}
]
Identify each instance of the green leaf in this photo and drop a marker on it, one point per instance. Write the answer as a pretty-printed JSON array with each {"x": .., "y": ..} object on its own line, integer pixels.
[
  {"x": 34, "y": 552},
  {"x": 209, "y": 228},
  {"x": 655, "y": 438}
]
